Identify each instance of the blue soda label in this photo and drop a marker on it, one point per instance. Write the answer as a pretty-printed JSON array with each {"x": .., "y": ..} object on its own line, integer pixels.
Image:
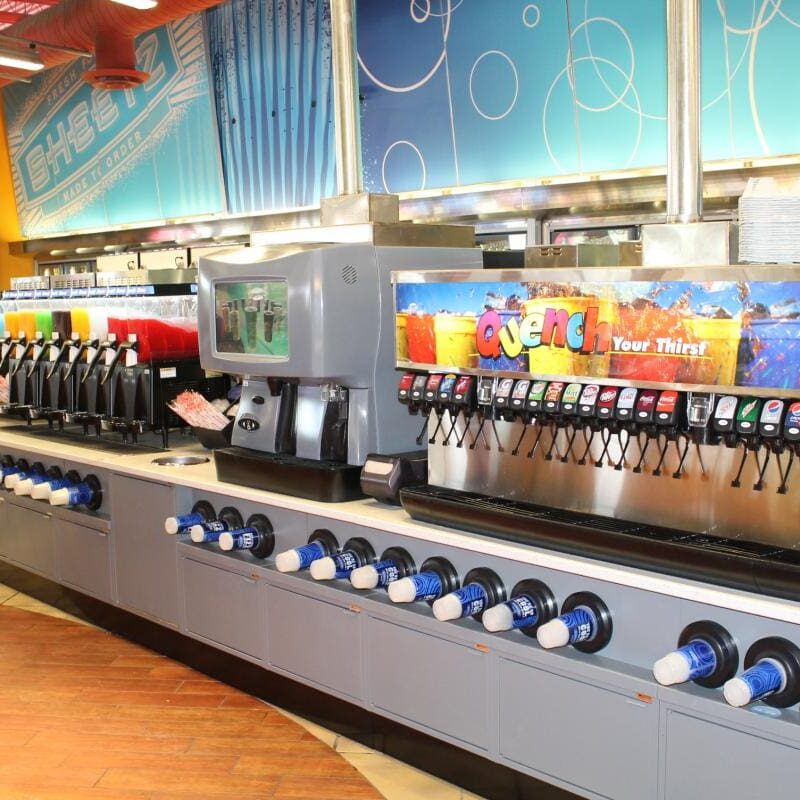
[
  {"x": 524, "y": 610},
  {"x": 217, "y": 526},
  {"x": 184, "y": 521},
  {"x": 582, "y": 624},
  {"x": 388, "y": 572},
  {"x": 310, "y": 552},
  {"x": 37, "y": 477},
  {"x": 764, "y": 678},
  {"x": 80, "y": 495},
  {"x": 345, "y": 562},
  {"x": 427, "y": 586},
  {"x": 473, "y": 599},
  {"x": 700, "y": 657},
  {"x": 10, "y": 471},
  {"x": 245, "y": 538},
  {"x": 60, "y": 483}
]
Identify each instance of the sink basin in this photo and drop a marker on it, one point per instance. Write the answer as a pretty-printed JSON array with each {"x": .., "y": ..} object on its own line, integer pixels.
[{"x": 180, "y": 461}]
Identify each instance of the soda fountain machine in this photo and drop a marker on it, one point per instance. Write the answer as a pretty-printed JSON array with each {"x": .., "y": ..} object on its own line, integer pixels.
[
  {"x": 646, "y": 417},
  {"x": 310, "y": 329},
  {"x": 102, "y": 359}
]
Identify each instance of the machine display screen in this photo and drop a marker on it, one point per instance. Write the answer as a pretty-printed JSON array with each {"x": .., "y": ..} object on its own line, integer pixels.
[{"x": 251, "y": 317}]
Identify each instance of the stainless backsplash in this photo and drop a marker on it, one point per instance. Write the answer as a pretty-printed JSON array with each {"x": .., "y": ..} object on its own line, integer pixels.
[{"x": 703, "y": 503}]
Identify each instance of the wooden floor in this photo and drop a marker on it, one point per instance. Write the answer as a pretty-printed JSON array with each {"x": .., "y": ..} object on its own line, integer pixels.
[{"x": 85, "y": 715}]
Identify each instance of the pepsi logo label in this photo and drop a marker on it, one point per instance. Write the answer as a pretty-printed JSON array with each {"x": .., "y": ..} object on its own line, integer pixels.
[
  {"x": 773, "y": 407},
  {"x": 794, "y": 408}
]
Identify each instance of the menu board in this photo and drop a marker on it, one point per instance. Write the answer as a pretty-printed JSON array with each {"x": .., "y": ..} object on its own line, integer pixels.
[{"x": 717, "y": 333}]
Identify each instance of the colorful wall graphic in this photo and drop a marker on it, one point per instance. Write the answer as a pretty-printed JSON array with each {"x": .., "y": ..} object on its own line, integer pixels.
[
  {"x": 562, "y": 87},
  {"x": 89, "y": 158},
  {"x": 721, "y": 333},
  {"x": 271, "y": 65}
]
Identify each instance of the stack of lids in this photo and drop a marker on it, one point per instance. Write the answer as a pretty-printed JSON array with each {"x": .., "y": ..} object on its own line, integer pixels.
[{"x": 769, "y": 222}]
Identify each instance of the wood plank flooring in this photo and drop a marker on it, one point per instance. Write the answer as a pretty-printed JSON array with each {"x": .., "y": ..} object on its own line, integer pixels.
[{"x": 85, "y": 715}]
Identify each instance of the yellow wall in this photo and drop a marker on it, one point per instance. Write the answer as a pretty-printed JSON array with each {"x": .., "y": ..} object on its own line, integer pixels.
[{"x": 9, "y": 223}]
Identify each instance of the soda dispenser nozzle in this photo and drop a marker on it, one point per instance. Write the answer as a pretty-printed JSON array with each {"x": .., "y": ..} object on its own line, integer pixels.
[
  {"x": 552, "y": 410},
  {"x": 444, "y": 402},
  {"x": 746, "y": 427},
  {"x": 625, "y": 415},
  {"x": 534, "y": 408},
  {"x": 645, "y": 417},
  {"x": 587, "y": 414},
  {"x": 700, "y": 410},
  {"x": 606, "y": 405},
  {"x": 519, "y": 397},
  {"x": 485, "y": 395},
  {"x": 428, "y": 402},
  {"x": 37, "y": 341},
  {"x": 770, "y": 430},
  {"x": 791, "y": 438},
  {"x": 669, "y": 418},
  {"x": 464, "y": 403}
]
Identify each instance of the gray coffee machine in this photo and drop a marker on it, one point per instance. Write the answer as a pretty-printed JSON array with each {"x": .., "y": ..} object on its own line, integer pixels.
[{"x": 311, "y": 330}]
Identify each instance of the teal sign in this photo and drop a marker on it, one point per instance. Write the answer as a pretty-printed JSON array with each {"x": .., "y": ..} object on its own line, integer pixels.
[{"x": 88, "y": 158}]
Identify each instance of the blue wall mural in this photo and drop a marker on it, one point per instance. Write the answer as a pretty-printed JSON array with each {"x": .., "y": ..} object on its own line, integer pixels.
[
  {"x": 271, "y": 65},
  {"x": 467, "y": 91},
  {"x": 88, "y": 158}
]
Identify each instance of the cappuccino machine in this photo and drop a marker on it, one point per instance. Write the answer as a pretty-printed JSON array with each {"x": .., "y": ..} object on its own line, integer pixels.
[
  {"x": 310, "y": 329},
  {"x": 648, "y": 417},
  {"x": 103, "y": 354}
]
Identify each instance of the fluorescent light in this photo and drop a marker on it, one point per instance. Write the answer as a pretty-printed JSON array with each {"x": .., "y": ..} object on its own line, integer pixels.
[
  {"x": 18, "y": 59},
  {"x": 139, "y": 5}
]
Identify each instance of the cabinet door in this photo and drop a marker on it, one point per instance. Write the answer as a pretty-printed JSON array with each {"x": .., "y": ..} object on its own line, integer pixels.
[
  {"x": 83, "y": 557},
  {"x": 145, "y": 557},
  {"x": 315, "y": 640},
  {"x": 433, "y": 681},
  {"x": 601, "y": 740},
  {"x": 223, "y": 607},
  {"x": 30, "y": 539},
  {"x": 706, "y": 759},
  {"x": 5, "y": 533}
]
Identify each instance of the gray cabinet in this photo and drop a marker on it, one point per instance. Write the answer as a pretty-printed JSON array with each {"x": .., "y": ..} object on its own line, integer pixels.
[
  {"x": 223, "y": 607},
  {"x": 146, "y": 558},
  {"x": 83, "y": 558},
  {"x": 315, "y": 640},
  {"x": 705, "y": 758},
  {"x": 601, "y": 740},
  {"x": 29, "y": 538},
  {"x": 4, "y": 530},
  {"x": 440, "y": 684}
]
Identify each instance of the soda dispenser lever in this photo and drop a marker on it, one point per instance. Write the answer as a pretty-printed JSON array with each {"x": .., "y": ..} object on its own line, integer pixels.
[
  {"x": 645, "y": 416},
  {"x": 446, "y": 400},
  {"x": 428, "y": 402},
  {"x": 791, "y": 438},
  {"x": 699, "y": 416},
  {"x": 464, "y": 402},
  {"x": 519, "y": 398},
  {"x": 606, "y": 405},
  {"x": 587, "y": 414},
  {"x": 746, "y": 426},
  {"x": 485, "y": 394},
  {"x": 669, "y": 414},
  {"x": 441, "y": 403},
  {"x": 570, "y": 416},
  {"x": 625, "y": 415},
  {"x": 535, "y": 408},
  {"x": 770, "y": 429},
  {"x": 552, "y": 408}
]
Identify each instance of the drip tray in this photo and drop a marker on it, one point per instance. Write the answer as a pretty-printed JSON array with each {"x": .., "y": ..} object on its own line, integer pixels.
[
  {"x": 325, "y": 481},
  {"x": 736, "y": 563},
  {"x": 148, "y": 442}
]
